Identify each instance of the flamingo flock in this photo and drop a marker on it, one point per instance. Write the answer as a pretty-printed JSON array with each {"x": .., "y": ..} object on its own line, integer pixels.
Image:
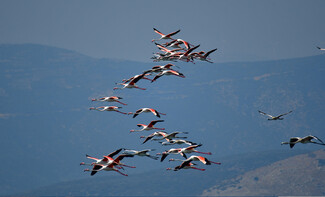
[
  {"x": 178, "y": 49},
  {"x": 173, "y": 50}
]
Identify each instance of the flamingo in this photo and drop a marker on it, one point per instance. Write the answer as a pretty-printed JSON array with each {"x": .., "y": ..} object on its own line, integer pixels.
[
  {"x": 141, "y": 153},
  {"x": 109, "y": 160},
  {"x": 158, "y": 69},
  {"x": 173, "y": 44},
  {"x": 164, "y": 36},
  {"x": 171, "y": 142},
  {"x": 105, "y": 158},
  {"x": 303, "y": 140},
  {"x": 191, "y": 149},
  {"x": 107, "y": 108},
  {"x": 168, "y": 72},
  {"x": 110, "y": 99},
  {"x": 146, "y": 110},
  {"x": 130, "y": 79},
  {"x": 149, "y": 137},
  {"x": 173, "y": 135},
  {"x": 203, "y": 56},
  {"x": 100, "y": 167},
  {"x": 187, "y": 166},
  {"x": 150, "y": 126},
  {"x": 182, "y": 151},
  {"x": 167, "y": 51},
  {"x": 186, "y": 56},
  {"x": 186, "y": 44},
  {"x": 274, "y": 117},
  {"x": 203, "y": 160},
  {"x": 171, "y": 151},
  {"x": 131, "y": 84}
]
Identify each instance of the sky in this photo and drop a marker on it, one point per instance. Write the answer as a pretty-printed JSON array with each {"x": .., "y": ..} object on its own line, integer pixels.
[{"x": 247, "y": 30}]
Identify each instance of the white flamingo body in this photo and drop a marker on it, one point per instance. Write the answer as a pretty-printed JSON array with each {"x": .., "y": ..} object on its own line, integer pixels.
[
  {"x": 279, "y": 117},
  {"x": 178, "y": 141},
  {"x": 141, "y": 153},
  {"x": 110, "y": 99},
  {"x": 148, "y": 127},
  {"x": 304, "y": 140},
  {"x": 167, "y": 73},
  {"x": 146, "y": 110},
  {"x": 157, "y": 133},
  {"x": 132, "y": 83},
  {"x": 100, "y": 167},
  {"x": 164, "y": 36},
  {"x": 187, "y": 166},
  {"x": 107, "y": 108}
]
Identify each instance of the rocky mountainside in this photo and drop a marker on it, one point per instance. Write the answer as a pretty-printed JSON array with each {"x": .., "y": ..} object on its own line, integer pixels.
[{"x": 301, "y": 175}]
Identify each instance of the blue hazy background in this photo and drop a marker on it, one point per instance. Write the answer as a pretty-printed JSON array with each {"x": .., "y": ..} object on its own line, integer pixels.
[
  {"x": 241, "y": 30},
  {"x": 57, "y": 55}
]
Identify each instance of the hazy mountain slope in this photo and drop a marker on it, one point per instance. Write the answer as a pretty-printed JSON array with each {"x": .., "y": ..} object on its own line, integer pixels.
[
  {"x": 162, "y": 182},
  {"x": 301, "y": 175},
  {"x": 45, "y": 93}
]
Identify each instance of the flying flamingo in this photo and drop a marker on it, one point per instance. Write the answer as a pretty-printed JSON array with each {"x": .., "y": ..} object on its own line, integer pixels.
[
  {"x": 203, "y": 56},
  {"x": 168, "y": 72},
  {"x": 131, "y": 84},
  {"x": 158, "y": 69},
  {"x": 182, "y": 151},
  {"x": 105, "y": 158},
  {"x": 150, "y": 126},
  {"x": 149, "y": 137},
  {"x": 191, "y": 149},
  {"x": 303, "y": 140},
  {"x": 173, "y": 135},
  {"x": 171, "y": 151},
  {"x": 141, "y": 153},
  {"x": 179, "y": 141},
  {"x": 146, "y": 110},
  {"x": 107, "y": 108},
  {"x": 187, "y": 166},
  {"x": 100, "y": 167},
  {"x": 144, "y": 77},
  {"x": 187, "y": 55},
  {"x": 164, "y": 36},
  {"x": 274, "y": 117},
  {"x": 203, "y": 160},
  {"x": 110, "y": 99}
]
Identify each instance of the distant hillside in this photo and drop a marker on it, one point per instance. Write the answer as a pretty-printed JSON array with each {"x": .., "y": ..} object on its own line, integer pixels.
[
  {"x": 47, "y": 127},
  {"x": 301, "y": 175}
]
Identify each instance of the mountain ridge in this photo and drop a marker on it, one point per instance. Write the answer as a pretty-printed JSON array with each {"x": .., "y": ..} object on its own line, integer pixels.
[{"x": 46, "y": 121}]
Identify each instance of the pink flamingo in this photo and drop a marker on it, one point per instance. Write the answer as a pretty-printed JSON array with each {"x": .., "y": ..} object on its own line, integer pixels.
[
  {"x": 148, "y": 127},
  {"x": 110, "y": 99},
  {"x": 107, "y": 108}
]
